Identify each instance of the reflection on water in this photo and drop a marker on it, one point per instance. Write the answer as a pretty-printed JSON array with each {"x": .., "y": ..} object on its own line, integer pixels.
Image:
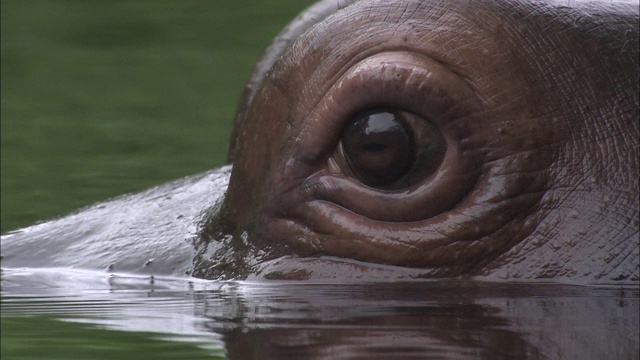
[{"x": 418, "y": 320}]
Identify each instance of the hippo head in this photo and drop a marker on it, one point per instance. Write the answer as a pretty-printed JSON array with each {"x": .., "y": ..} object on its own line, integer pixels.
[{"x": 422, "y": 139}]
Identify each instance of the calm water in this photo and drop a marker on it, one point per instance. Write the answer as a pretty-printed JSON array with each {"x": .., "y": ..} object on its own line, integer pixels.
[
  {"x": 59, "y": 313},
  {"x": 102, "y": 98}
]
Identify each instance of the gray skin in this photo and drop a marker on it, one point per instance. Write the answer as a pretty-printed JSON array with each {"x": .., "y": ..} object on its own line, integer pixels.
[{"x": 537, "y": 105}]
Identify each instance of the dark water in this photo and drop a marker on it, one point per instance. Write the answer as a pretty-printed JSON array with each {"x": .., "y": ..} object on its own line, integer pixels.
[{"x": 56, "y": 313}]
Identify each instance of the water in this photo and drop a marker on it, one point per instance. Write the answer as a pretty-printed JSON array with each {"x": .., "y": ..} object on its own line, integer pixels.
[
  {"x": 95, "y": 315},
  {"x": 104, "y": 98}
]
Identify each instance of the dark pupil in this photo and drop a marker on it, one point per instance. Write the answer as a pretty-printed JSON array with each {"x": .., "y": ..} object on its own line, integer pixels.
[
  {"x": 378, "y": 147},
  {"x": 374, "y": 147}
]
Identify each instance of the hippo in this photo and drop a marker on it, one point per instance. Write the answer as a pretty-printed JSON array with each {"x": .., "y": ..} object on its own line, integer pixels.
[{"x": 385, "y": 140}]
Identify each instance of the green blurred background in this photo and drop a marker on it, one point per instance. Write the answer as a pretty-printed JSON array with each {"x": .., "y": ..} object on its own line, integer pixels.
[{"x": 101, "y": 98}]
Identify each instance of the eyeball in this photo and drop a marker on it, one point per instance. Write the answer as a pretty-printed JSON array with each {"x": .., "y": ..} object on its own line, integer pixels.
[{"x": 389, "y": 148}]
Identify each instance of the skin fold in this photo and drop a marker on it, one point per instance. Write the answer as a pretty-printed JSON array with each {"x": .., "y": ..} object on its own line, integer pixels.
[
  {"x": 537, "y": 102},
  {"x": 535, "y": 176}
]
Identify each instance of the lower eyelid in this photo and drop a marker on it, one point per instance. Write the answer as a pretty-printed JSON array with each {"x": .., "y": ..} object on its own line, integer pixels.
[
  {"x": 431, "y": 197},
  {"x": 332, "y": 166}
]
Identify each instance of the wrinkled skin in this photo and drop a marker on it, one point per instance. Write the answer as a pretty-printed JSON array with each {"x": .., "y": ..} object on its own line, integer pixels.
[{"x": 537, "y": 103}]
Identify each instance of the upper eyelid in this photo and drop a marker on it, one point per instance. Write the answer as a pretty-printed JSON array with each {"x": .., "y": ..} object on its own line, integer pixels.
[{"x": 429, "y": 90}]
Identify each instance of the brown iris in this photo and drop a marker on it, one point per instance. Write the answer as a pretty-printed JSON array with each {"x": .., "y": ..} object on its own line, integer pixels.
[{"x": 385, "y": 146}]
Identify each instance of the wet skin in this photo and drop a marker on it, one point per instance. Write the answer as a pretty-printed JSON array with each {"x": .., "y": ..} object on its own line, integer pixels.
[{"x": 437, "y": 139}]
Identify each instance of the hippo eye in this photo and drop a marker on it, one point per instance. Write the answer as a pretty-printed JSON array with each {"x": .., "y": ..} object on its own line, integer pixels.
[
  {"x": 378, "y": 147},
  {"x": 390, "y": 148}
]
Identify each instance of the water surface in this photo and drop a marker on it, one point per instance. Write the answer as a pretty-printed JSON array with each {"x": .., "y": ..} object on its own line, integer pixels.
[{"x": 162, "y": 317}]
